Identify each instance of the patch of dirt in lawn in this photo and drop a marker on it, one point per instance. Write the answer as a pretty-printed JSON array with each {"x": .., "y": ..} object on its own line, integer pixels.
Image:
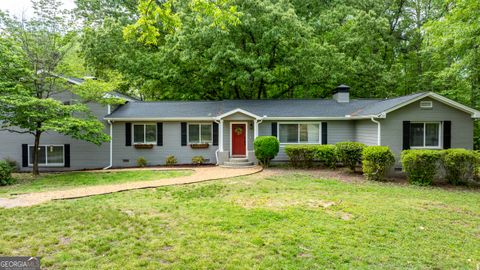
[
  {"x": 281, "y": 203},
  {"x": 340, "y": 174},
  {"x": 344, "y": 174},
  {"x": 64, "y": 241}
]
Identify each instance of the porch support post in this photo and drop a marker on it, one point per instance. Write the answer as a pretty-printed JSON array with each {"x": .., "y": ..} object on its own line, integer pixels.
[
  {"x": 220, "y": 135},
  {"x": 255, "y": 129}
]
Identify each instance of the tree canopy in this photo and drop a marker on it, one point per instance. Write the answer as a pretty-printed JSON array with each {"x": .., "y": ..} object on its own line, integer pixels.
[
  {"x": 257, "y": 49},
  {"x": 283, "y": 48},
  {"x": 32, "y": 51}
]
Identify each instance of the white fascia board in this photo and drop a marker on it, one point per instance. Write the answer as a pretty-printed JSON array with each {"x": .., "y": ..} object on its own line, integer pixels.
[
  {"x": 161, "y": 119},
  {"x": 444, "y": 100},
  {"x": 346, "y": 117},
  {"x": 238, "y": 110}
]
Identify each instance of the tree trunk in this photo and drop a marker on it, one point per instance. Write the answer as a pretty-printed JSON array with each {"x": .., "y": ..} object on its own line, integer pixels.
[{"x": 36, "y": 153}]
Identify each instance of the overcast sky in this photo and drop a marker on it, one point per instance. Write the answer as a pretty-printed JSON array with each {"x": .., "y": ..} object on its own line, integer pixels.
[{"x": 17, "y": 7}]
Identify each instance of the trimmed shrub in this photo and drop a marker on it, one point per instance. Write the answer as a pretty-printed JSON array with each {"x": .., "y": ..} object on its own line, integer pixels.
[
  {"x": 13, "y": 163},
  {"x": 6, "y": 174},
  {"x": 171, "y": 160},
  {"x": 376, "y": 161},
  {"x": 327, "y": 155},
  {"x": 350, "y": 153},
  {"x": 198, "y": 160},
  {"x": 460, "y": 165},
  {"x": 420, "y": 165},
  {"x": 300, "y": 156},
  {"x": 141, "y": 162},
  {"x": 303, "y": 156},
  {"x": 266, "y": 148}
]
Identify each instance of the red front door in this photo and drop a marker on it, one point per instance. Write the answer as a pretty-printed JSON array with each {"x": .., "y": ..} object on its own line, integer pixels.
[{"x": 239, "y": 147}]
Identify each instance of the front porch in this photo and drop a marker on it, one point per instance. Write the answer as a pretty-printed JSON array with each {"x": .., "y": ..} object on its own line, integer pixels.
[{"x": 237, "y": 131}]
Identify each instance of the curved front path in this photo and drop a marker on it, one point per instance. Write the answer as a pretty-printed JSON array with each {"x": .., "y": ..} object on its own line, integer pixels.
[{"x": 200, "y": 174}]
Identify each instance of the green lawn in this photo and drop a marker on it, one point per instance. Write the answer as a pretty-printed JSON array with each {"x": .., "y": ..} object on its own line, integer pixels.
[
  {"x": 293, "y": 221},
  {"x": 53, "y": 181}
]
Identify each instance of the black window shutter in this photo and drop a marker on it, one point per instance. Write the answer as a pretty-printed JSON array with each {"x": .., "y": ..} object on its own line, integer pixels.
[
  {"x": 128, "y": 134},
  {"x": 406, "y": 135},
  {"x": 66, "y": 148},
  {"x": 324, "y": 133},
  {"x": 447, "y": 134},
  {"x": 215, "y": 134},
  {"x": 159, "y": 134},
  {"x": 184, "y": 133},
  {"x": 274, "y": 129},
  {"x": 24, "y": 155}
]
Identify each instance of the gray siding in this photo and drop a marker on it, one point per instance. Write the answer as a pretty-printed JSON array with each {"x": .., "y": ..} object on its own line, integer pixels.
[
  {"x": 338, "y": 131},
  {"x": 366, "y": 132},
  {"x": 227, "y": 131},
  {"x": 128, "y": 155},
  {"x": 83, "y": 155},
  {"x": 462, "y": 124}
]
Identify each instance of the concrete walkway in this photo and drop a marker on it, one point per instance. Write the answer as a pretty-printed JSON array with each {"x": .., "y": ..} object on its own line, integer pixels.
[{"x": 200, "y": 174}]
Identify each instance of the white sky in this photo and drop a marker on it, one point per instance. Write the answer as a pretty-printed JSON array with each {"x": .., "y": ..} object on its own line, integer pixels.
[{"x": 17, "y": 7}]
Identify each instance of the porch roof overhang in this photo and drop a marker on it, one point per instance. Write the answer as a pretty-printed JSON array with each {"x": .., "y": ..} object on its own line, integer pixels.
[{"x": 242, "y": 111}]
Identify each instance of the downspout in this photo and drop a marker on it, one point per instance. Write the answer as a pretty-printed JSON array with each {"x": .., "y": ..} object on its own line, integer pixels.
[
  {"x": 260, "y": 120},
  {"x": 111, "y": 141},
  {"x": 379, "y": 130}
]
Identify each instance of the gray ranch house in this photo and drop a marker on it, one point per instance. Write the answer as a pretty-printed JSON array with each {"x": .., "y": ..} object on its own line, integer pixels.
[{"x": 224, "y": 130}]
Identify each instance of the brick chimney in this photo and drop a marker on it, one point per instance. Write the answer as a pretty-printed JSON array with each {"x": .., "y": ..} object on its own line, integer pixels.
[{"x": 342, "y": 94}]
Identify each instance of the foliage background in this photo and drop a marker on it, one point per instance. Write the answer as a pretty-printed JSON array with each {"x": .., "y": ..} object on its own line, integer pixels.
[{"x": 258, "y": 49}]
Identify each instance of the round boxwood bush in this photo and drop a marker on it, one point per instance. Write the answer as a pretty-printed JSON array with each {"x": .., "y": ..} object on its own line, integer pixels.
[
  {"x": 460, "y": 165},
  {"x": 376, "y": 161},
  {"x": 350, "y": 153},
  {"x": 6, "y": 173},
  {"x": 266, "y": 148},
  {"x": 420, "y": 165}
]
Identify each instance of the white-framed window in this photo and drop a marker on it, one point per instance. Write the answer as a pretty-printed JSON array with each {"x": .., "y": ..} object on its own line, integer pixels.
[
  {"x": 48, "y": 155},
  {"x": 425, "y": 134},
  {"x": 144, "y": 133},
  {"x": 299, "y": 133},
  {"x": 200, "y": 133}
]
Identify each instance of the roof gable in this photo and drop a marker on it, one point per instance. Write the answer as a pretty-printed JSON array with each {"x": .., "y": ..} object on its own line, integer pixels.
[
  {"x": 474, "y": 113},
  {"x": 240, "y": 111}
]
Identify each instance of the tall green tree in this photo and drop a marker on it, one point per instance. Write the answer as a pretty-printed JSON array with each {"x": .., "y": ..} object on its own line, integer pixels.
[
  {"x": 454, "y": 41},
  {"x": 30, "y": 84}
]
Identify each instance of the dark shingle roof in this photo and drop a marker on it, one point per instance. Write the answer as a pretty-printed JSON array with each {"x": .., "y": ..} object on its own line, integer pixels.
[
  {"x": 269, "y": 108},
  {"x": 386, "y": 104}
]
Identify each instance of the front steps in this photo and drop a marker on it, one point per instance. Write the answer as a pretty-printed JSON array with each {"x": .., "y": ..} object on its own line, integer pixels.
[{"x": 238, "y": 163}]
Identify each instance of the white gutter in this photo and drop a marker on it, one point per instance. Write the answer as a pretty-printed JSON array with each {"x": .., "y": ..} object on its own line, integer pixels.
[
  {"x": 123, "y": 119},
  {"x": 256, "y": 125},
  {"x": 379, "y": 131},
  {"x": 111, "y": 141},
  {"x": 346, "y": 117}
]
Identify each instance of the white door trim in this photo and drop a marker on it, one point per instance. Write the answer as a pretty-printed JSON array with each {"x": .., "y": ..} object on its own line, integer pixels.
[{"x": 246, "y": 137}]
